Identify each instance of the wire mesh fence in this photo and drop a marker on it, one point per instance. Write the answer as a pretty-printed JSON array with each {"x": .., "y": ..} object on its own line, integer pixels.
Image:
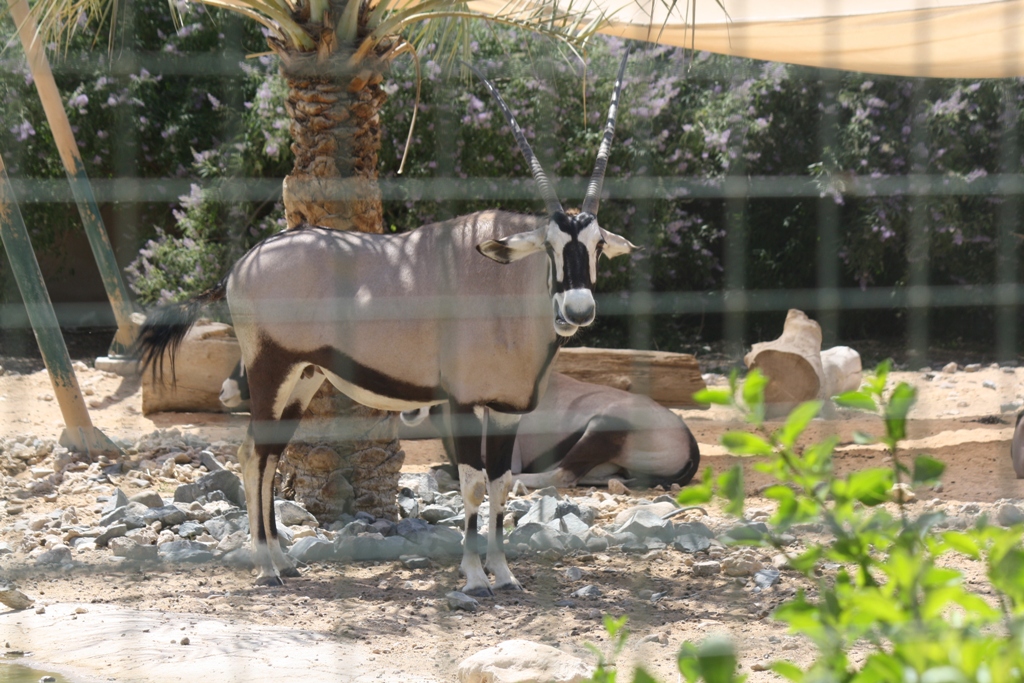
[{"x": 742, "y": 181}]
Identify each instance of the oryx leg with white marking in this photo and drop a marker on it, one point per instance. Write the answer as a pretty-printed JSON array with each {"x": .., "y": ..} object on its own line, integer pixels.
[
  {"x": 466, "y": 438},
  {"x": 500, "y": 439},
  {"x": 278, "y": 400},
  {"x": 251, "y": 482}
]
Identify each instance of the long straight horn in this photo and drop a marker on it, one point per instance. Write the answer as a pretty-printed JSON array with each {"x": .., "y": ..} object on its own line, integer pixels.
[
  {"x": 593, "y": 198},
  {"x": 541, "y": 178}
]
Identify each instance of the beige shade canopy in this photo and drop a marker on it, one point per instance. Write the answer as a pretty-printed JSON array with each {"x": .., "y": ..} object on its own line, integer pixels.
[{"x": 938, "y": 38}]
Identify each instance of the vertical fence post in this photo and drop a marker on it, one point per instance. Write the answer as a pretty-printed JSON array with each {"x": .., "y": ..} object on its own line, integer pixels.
[
  {"x": 79, "y": 433},
  {"x": 828, "y": 211},
  {"x": 57, "y": 117}
]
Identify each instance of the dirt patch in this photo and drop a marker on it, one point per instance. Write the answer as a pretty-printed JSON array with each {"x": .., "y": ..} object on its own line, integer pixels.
[{"x": 387, "y": 619}]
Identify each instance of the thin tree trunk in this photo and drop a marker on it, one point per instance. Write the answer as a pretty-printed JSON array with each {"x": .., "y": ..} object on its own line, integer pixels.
[{"x": 336, "y": 138}]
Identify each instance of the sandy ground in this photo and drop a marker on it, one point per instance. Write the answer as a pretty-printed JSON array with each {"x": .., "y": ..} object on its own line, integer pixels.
[{"x": 382, "y": 621}]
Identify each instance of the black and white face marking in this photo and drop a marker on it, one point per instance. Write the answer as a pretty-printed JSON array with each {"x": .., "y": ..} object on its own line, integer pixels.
[
  {"x": 573, "y": 245},
  {"x": 574, "y": 242}
]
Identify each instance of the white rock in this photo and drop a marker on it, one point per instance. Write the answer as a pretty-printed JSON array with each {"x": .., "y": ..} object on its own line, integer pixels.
[
  {"x": 121, "y": 546},
  {"x": 37, "y": 522},
  {"x": 950, "y": 368},
  {"x": 742, "y": 563},
  {"x": 659, "y": 509},
  {"x": 143, "y": 536},
  {"x": 842, "y": 368},
  {"x": 706, "y": 568},
  {"x": 14, "y": 598},
  {"x": 1008, "y": 515},
  {"x": 290, "y": 513},
  {"x": 522, "y": 661},
  {"x": 233, "y": 541},
  {"x": 902, "y": 493},
  {"x": 616, "y": 486}
]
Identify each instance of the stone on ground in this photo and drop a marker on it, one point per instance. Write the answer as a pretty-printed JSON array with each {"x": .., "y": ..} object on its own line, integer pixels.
[
  {"x": 659, "y": 508},
  {"x": 522, "y": 661},
  {"x": 14, "y": 598},
  {"x": 843, "y": 370},
  {"x": 457, "y": 600},
  {"x": 1008, "y": 515}
]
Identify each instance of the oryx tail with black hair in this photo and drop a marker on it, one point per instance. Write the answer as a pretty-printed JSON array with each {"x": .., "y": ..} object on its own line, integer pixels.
[{"x": 166, "y": 327}]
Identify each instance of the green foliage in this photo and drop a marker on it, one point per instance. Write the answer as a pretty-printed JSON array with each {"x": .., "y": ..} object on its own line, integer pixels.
[
  {"x": 688, "y": 122},
  {"x": 129, "y": 122},
  {"x": 618, "y": 634},
  {"x": 170, "y": 267},
  {"x": 214, "y": 227},
  {"x": 921, "y": 621},
  {"x": 713, "y": 661},
  {"x": 891, "y": 591}
]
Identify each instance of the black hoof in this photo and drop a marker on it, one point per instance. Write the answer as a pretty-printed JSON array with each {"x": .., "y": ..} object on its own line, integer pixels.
[
  {"x": 513, "y": 586},
  {"x": 269, "y": 581},
  {"x": 290, "y": 572},
  {"x": 484, "y": 592}
]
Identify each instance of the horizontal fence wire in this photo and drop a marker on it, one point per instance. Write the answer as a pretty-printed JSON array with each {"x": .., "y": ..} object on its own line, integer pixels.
[{"x": 127, "y": 189}]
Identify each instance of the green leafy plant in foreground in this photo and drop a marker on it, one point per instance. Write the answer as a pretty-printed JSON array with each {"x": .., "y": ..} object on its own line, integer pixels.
[
  {"x": 891, "y": 594},
  {"x": 714, "y": 661}
]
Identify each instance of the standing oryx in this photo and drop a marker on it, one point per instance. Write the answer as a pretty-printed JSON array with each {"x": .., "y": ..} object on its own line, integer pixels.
[{"x": 401, "y": 321}]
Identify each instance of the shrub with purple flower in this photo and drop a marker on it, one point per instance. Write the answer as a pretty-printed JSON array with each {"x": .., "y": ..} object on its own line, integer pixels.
[{"x": 690, "y": 126}]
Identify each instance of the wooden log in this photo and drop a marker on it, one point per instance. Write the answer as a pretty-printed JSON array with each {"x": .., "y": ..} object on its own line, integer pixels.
[
  {"x": 671, "y": 379},
  {"x": 792, "y": 364},
  {"x": 207, "y": 355}
]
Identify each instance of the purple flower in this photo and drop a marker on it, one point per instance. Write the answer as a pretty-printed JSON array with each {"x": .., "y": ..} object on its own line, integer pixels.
[
  {"x": 79, "y": 102},
  {"x": 23, "y": 131}
]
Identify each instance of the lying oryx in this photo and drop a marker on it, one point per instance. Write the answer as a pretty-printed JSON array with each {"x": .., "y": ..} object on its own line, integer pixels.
[
  {"x": 401, "y": 321},
  {"x": 584, "y": 434}
]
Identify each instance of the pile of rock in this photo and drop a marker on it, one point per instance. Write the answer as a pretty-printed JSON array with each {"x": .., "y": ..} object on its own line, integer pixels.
[{"x": 205, "y": 518}]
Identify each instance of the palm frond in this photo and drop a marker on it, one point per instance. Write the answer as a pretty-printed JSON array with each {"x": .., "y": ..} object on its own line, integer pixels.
[
  {"x": 58, "y": 20},
  {"x": 445, "y": 23}
]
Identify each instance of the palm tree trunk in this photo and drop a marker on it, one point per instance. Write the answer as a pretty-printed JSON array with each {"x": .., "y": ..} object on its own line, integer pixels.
[
  {"x": 336, "y": 137},
  {"x": 335, "y": 128}
]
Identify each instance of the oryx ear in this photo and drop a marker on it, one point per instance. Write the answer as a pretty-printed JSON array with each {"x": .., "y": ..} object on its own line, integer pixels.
[
  {"x": 513, "y": 247},
  {"x": 616, "y": 245}
]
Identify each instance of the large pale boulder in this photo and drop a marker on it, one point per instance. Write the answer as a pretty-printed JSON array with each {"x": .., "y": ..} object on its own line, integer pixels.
[
  {"x": 670, "y": 379},
  {"x": 522, "y": 661},
  {"x": 792, "y": 363},
  {"x": 843, "y": 370},
  {"x": 206, "y": 356}
]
